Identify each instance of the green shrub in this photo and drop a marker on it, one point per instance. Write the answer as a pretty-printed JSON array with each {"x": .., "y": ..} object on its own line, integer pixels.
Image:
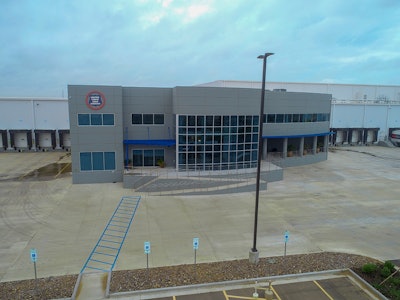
[
  {"x": 395, "y": 281},
  {"x": 385, "y": 272},
  {"x": 395, "y": 294},
  {"x": 369, "y": 268},
  {"x": 390, "y": 266}
]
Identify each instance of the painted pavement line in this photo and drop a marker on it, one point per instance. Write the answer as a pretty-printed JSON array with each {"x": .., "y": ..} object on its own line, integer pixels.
[{"x": 323, "y": 290}]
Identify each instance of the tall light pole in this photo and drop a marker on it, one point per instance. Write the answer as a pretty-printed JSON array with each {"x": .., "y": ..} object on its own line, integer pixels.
[{"x": 253, "y": 254}]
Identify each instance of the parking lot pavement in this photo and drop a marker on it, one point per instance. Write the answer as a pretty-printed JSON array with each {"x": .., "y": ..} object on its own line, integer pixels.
[
  {"x": 349, "y": 203},
  {"x": 337, "y": 284}
]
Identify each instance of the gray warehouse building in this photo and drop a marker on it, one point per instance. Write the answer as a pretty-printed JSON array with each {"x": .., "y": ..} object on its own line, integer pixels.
[{"x": 196, "y": 128}]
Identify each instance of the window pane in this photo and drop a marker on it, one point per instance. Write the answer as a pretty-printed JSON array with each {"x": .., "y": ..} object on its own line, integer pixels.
[
  {"x": 225, "y": 120},
  {"x": 159, "y": 155},
  {"x": 200, "y": 139},
  {"x": 191, "y": 158},
  {"x": 307, "y": 117},
  {"x": 95, "y": 119},
  {"x": 182, "y": 158},
  {"x": 108, "y": 119},
  {"x": 182, "y": 120},
  {"x": 232, "y": 157},
  {"x": 200, "y": 120},
  {"x": 137, "y": 119},
  {"x": 86, "y": 161},
  {"x": 271, "y": 118},
  {"x": 255, "y": 120},
  {"x": 148, "y": 158},
  {"x": 209, "y": 121},
  {"x": 147, "y": 118},
  {"x": 138, "y": 158},
  {"x": 248, "y": 120},
  {"x": 191, "y": 121},
  {"x": 233, "y": 120},
  {"x": 191, "y": 139},
  {"x": 98, "y": 161},
  {"x": 83, "y": 119},
  {"x": 182, "y": 139},
  {"x": 217, "y": 120},
  {"x": 158, "y": 119},
  {"x": 279, "y": 118},
  {"x": 254, "y": 155},
  {"x": 109, "y": 160},
  {"x": 241, "y": 120},
  {"x": 314, "y": 118}
]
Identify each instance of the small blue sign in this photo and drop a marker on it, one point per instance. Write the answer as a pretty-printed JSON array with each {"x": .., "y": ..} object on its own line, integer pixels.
[
  {"x": 33, "y": 255},
  {"x": 147, "y": 247},
  {"x": 286, "y": 236},
  {"x": 195, "y": 243}
]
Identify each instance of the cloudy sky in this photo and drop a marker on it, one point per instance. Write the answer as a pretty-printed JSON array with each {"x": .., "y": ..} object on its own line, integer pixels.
[{"x": 48, "y": 44}]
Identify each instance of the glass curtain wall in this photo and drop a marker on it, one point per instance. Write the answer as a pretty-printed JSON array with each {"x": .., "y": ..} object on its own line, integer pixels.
[{"x": 217, "y": 142}]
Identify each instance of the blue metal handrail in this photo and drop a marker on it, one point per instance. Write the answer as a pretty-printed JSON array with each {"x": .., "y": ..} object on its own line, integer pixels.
[{"x": 127, "y": 207}]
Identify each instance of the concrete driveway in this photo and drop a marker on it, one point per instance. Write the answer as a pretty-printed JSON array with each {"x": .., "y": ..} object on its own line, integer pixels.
[{"x": 349, "y": 203}]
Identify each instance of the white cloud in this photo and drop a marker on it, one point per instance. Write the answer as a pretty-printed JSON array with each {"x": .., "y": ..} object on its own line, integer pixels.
[
  {"x": 195, "y": 11},
  {"x": 165, "y": 3}
]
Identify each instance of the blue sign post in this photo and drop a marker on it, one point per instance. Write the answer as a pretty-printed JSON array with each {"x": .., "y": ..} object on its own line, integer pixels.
[
  {"x": 33, "y": 255},
  {"x": 195, "y": 247},
  {"x": 34, "y": 259},
  {"x": 286, "y": 236},
  {"x": 147, "y": 249}
]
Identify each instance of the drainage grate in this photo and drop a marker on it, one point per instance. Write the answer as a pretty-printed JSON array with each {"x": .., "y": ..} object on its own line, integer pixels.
[{"x": 104, "y": 255}]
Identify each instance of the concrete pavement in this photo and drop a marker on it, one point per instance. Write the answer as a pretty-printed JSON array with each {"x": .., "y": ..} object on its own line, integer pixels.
[{"x": 349, "y": 203}]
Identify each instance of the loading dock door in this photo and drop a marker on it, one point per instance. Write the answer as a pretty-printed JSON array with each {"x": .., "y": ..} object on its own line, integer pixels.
[
  {"x": 371, "y": 136},
  {"x": 21, "y": 140},
  {"x": 45, "y": 140},
  {"x": 355, "y": 137},
  {"x": 67, "y": 140},
  {"x": 339, "y": 137}
]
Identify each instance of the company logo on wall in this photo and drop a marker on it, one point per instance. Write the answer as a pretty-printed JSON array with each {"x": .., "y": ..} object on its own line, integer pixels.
[{"x": 95, "y": 100}]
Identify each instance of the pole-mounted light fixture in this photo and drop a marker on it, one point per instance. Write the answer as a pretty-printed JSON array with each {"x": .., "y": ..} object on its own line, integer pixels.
[{"x": 253, "y": 255}]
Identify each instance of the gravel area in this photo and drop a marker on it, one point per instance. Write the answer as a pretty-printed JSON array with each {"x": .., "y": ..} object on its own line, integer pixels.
[{"x": 140, "y": 279}]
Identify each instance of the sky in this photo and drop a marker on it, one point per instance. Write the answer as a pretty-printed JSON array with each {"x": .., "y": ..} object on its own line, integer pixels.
[{"x": 47, "y": 44}]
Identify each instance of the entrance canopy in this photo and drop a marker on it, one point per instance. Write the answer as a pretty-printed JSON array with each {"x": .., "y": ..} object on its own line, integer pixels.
[{"x": 296, "y": 136}]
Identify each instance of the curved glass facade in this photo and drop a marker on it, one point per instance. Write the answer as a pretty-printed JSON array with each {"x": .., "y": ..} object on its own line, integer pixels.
[{"x": 217, "y": 142}]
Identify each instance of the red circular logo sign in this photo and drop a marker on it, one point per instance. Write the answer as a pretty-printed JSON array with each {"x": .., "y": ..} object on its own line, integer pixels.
[{"x": 95, "y": 100}]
